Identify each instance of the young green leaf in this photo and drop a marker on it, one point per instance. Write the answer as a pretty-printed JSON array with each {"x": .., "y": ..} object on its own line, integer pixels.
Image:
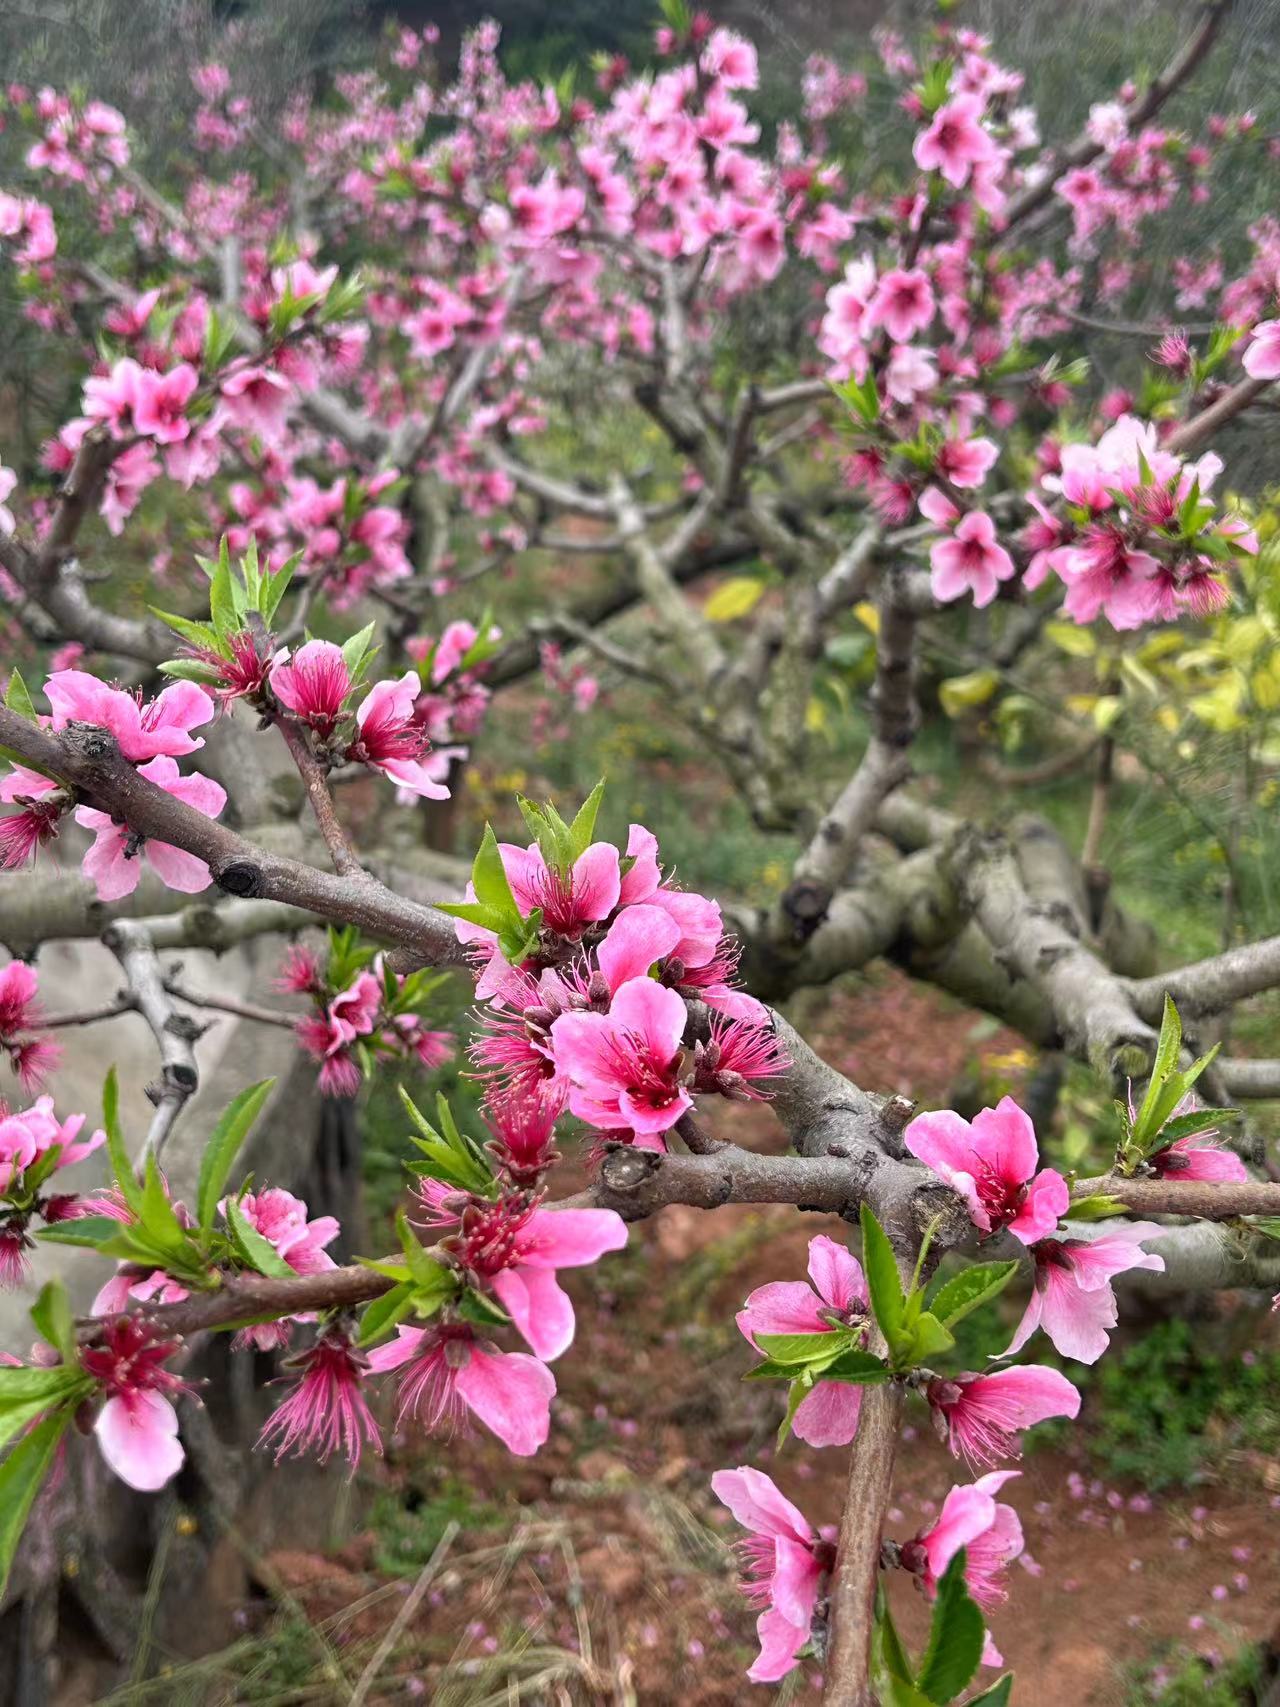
[
  {"x": 1190, "y": 1125},
  {"x": 357, "y": 651},
  {"x": 258, "y": 1253},
  {"x": 956, "y": 1636},
  {"x": 888, "y": 1303},
  {"x": 383, "y": 1314},
  {"x": 224, "y": 1146},
  {"x": 21, "y": 1474},
  {"x": 485, "y": 1312},
  {"x": 928, "y": 1338},
  {"x": 16, "y": 697},
  {"x": 1168, "y": 1047},
  {"x": 26, "y": 1394},
  {"x": 997, "y": 1696},
  {"x": 91, "y": 1231},
  {"x": 156, "y": 1218},
  {"x": 201, "y": 634},
  {"x": 858, "y": 1368},
  {"x": 51, "y": 1314},
  {"x": 222, "y": 602},
  {"x": 965, "y": 1291},
  {"x": 584, "y": 824},
  {"x": 275, "y": 584},
  {"x": 121, "y": 1166},
  {"x": 794, "y": 1350},
  {"x": 1098, "y": 1206},
  {"x": 489, "y": 878}
]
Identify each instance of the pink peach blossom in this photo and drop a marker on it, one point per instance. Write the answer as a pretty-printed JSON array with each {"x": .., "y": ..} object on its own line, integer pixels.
[
  {"x": 313, "y": 683},
  {"x": 448, "y": 1373},
  {"x": 112, "y": 863},
  {"x": 624, "y": 1066},
  {"x": 784, "y": 1562},
  {"x": 955, "y": 141},
  {"x": 828, "y": 1414},
  {"x": 970, "y": 561},
  {"x": 981, "y": 1416},
  {"x": 1262, "y": 356},
  {"x": 992, "y": 1165},
  {"x": 143, "y": 729},
  {"x": 1072, "y": 1298}
]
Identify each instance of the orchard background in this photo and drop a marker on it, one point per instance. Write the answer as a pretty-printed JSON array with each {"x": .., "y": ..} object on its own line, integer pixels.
[{"x": 849, "y": 431}]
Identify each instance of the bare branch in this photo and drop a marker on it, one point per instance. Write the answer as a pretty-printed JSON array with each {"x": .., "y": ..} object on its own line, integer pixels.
[
  {"x": 175, "y": 1033},
  {"x": 1208, "y": 986}
]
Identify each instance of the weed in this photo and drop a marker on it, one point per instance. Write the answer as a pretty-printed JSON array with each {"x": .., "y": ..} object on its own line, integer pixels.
[
  {"x": 1169, "y": 1412},
  {"x": 407, "y": 1526},
  {"x": 1182, "y": 1679}
]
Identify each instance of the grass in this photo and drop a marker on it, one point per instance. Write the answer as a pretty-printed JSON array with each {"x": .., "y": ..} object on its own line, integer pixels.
[
  {"x": 408, "y": 1525},
  {"x": 1170, "y": 1412},
  {"x": 1182, "y": 1679}
]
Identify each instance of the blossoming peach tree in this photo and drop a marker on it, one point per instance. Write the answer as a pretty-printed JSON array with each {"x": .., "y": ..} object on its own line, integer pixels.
[{"x": 919, "y": 441}]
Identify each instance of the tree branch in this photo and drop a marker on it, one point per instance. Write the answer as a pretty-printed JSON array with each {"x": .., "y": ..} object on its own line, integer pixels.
[
  {"x": 175, "y": 1033},
  {"x": 90, "y": 759}
]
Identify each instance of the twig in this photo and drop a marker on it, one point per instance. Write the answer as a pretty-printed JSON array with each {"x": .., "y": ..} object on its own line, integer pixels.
[
  {"x": 123, "y": 1004},
  {"x": 229, "y": 1005},
  {"x": 313, "y": 775}
]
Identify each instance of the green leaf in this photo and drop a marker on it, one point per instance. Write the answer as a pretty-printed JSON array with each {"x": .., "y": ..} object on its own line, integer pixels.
[
  {"x": 888, "y": 1656},
  {"x": 474, "y": 912},
  {"x": 224, "y": 1146},
  {"x": 858, "y": 1368},
  {"x": 955, "y": 1637},
  {"x": 584, "y": 824},
  {"x": 1151, "y": 1116},
  {"x": 793, "y": 1349},
  {"x": 253, "y": 1249},
  {"x": 1099, "y": 1206},
  {"x": 997, "y": 1696},
  {"x": 201, "y": 634},
  {"x": 53, "y": 1320},
  {"x": 26, "y": 1394},
  {"x": 861, "y": 397},
  {"x": 357, "y": 651},
  {"x": 451, "y": 1156},
  {"x": 156, "y": 1218},
  {"x": 485, "y": 1312},
  {"x": 883, "y": 1281},
  {"x": 928, "y": 1338},
  {"x": 489, "y": 878},
  {"x": 548, "y": 830},
  {"x": 966, "y": 1291},
  {"x": 222, "y": 602},
  {"x": 191, "y": 670},
  {"x": 118, "y": 1156},
  {"x": 16, "y": 697},
  {"x": 92, "y": 1231},
  {"x": 20, "y": 1385},
  {"x": 1189, "y": 1125},
  {"x": 274, "y": 586},
  {"x": 383, "y": 1314},
  {"x": 21, "y": 1474}
]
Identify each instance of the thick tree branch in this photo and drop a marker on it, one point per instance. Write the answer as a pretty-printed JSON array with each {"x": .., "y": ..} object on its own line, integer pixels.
[
  {"x": 1208, "y": 986},
  {"x": 90, "y": 759}
]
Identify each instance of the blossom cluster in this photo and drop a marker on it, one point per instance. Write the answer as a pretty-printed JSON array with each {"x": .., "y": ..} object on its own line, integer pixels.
[{"x": 362, "y": 1013}]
